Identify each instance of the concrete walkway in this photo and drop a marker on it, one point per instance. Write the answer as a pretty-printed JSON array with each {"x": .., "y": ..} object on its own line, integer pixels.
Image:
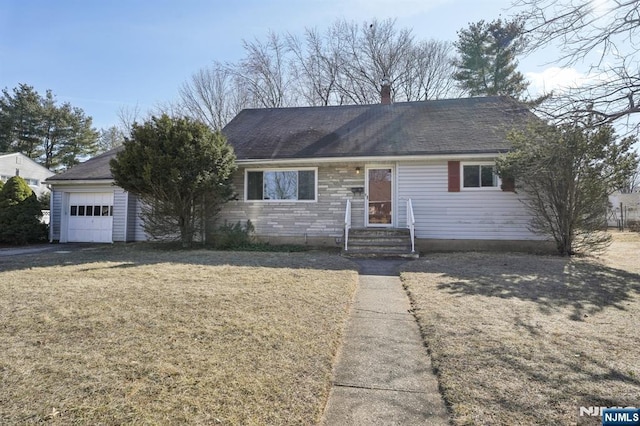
[{"x": 383, "y": 374}]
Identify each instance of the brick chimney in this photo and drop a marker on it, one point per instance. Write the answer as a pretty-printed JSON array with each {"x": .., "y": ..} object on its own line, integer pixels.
[{"x": 385, "y": 91}]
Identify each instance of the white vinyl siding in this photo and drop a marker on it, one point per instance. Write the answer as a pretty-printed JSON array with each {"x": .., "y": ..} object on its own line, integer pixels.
[
  {"x": 127, "y": 224},
  {"x": 439, "y": 214},
  {"x": 119, "y": 217},
  {"x": 16, "y": 164},
  {"x": 135, "y": 228},
  {"x": 56, "y": 214},
  {"x": 484, "y": 215}
]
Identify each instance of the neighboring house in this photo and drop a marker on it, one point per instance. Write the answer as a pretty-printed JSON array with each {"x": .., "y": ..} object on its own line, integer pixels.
[
  {"x": 298, "y": 168},
  {"x": 18, "y": 164},
  {"x": 623, "y": 208}
]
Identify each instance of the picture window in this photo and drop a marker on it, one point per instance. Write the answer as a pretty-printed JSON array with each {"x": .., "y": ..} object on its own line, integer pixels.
[{"x": 289, "y": 185}]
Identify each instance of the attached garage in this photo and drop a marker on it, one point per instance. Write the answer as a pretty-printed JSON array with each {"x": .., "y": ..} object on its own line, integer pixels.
[
  {"x": 90, "y": 217},
  {"x": 86, "y": 206}
]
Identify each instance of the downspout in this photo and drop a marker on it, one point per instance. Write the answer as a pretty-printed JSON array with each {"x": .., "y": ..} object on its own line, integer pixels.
[
  {"x": 126, "y": 216},
  {"x": 51, "y": 216}
]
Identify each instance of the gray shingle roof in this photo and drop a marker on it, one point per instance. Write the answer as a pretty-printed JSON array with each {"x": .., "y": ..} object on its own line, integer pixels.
[
  {"x": 453, "y": 126},
  {"x": 96, "y": 168}
]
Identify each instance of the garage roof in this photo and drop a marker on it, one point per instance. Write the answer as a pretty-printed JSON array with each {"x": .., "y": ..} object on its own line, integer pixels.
[{"x": 96, "y": 168}]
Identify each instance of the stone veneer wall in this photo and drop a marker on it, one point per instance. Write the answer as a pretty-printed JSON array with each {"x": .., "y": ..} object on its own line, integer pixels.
[{"x": 320, "y": 222}]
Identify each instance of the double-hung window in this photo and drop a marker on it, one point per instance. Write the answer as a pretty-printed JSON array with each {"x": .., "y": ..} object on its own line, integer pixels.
[
  {"x": 479, "y": 176},
  {"x": 281, "y": 185}
]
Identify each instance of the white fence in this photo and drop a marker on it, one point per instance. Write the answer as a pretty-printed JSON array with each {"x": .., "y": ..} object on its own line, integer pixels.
[{"x": 46, "y": 216}]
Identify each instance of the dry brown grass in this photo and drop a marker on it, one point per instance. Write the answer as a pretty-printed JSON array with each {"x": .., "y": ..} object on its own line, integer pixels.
[
  {"x": 524, "y": 339},
  {"x": 128, "y": 335}
]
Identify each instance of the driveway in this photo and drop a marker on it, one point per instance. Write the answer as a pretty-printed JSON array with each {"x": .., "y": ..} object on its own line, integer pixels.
[{"x": 40, "y": 248}]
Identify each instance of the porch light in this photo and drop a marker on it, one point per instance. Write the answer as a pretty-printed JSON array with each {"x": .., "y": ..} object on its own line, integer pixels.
[{"x": 357, "y": 170}]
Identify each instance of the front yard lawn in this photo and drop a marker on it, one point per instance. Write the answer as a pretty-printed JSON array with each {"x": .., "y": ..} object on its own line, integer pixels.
[
  {"x": 126, "y": 334},
  {"x": 523, "y": 339}
]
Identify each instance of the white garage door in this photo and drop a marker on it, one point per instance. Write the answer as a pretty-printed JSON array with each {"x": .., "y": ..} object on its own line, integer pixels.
[{"x": 90, "y": 217}]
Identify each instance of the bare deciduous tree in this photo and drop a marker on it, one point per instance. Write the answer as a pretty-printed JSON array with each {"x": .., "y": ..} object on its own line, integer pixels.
[
  {"x": 110, "y": 138},
  {"x": 370, "y": 53},
  {"x": 264, "y": 72},
  {"x": 632, "y": 184},
  {"x": 211, "y": 96},
  {"x": 343, "y": 64},
  {"x": 316, "y": 66},
  {"x": 428, "y": 73},
  {"x": 602, "y": 34},
  {"x": 128, "y": 115},
  {"x": 346, "y": 63}
]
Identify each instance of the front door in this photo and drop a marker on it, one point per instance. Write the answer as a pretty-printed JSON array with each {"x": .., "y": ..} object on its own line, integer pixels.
[{"x": 379, "y": 185}]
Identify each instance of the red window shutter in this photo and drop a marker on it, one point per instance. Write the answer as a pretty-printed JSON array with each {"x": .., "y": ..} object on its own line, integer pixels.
[
  {"x": 454, "y": 176},
  {"x": 508, "y": 184}
]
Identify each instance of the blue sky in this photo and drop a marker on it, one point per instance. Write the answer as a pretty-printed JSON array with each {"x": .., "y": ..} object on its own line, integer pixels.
[{"x": 104, "y": 55}]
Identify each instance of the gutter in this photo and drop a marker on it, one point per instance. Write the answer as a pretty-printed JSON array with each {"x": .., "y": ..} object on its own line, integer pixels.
[
  {"x": 79, "y": 181},
  {"x": 371, "y": 159}
]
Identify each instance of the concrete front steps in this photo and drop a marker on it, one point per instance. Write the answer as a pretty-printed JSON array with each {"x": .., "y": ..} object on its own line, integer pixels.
[{"x": 379, "y": 242}]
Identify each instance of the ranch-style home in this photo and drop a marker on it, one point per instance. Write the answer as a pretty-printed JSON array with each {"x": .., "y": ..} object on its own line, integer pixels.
[{"x": 342, "y": 176}]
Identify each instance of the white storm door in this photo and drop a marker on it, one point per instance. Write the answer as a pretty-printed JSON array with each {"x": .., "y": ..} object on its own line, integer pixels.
[{"x": 379, "y": 196}]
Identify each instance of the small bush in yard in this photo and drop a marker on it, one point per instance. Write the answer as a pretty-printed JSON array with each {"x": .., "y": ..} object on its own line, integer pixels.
[
  {"x": 20, "y": 214},
  {"x": 240, "y": 237},
  {"x": 233, "y": 236},
  {"x": 634, "y": 225}
]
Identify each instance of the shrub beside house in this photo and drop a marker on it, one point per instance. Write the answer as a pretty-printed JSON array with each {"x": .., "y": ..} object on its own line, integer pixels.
[{"x": 20, "y": 214}]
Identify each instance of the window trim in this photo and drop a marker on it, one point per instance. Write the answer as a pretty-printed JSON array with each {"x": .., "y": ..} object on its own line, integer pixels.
[
  {"x": 496, "y": 187},
  {"x": 276, "y": 169}
]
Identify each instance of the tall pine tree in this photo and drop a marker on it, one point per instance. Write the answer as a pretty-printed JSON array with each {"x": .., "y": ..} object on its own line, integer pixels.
[
  {"x": 56, "y": 136},
  {"x": 487, "y": 59},
  {"x": 20, "y": 118}
]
